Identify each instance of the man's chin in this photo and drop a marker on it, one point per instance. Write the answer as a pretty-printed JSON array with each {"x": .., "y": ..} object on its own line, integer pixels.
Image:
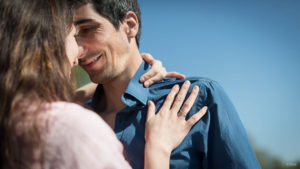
[{"x": 99, "y": 79}]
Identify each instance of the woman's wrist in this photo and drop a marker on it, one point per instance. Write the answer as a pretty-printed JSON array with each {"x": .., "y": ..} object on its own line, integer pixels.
[
  {"x": 157, "y": 157},
  {"x": 159, "y": 148}
]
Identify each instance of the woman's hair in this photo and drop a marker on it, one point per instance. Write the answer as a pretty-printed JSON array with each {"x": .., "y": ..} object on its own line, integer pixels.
[{"x": 34, "y": 70}]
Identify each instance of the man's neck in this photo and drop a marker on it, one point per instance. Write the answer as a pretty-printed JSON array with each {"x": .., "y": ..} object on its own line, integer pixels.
[{"x": 114, "y": 90}]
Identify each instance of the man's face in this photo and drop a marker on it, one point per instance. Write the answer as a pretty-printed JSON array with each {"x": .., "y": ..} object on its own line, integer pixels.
[{"x": 105, "y": 49}]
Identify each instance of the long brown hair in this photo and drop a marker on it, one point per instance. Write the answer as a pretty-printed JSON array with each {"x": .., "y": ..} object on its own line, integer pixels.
[{"x": 33, "y": 71}]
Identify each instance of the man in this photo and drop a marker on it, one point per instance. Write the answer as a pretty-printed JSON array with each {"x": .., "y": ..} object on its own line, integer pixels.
[{"x": 109, "y": 32}]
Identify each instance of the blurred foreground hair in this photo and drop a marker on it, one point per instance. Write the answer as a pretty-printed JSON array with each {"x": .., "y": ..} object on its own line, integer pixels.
[{"x": 34, "y": 71}]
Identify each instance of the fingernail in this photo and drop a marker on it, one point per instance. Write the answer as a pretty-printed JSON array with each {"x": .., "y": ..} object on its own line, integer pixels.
[
  {"x": 196, "y": 88},
  {"x": 146, "y": 84},
  {"x": 187, "y": 82},
  {"x": 176, "y": 87},
  {"x": 142, "y": 79}
]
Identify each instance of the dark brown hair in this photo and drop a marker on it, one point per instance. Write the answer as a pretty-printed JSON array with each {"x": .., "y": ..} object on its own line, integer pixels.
[{"x": 34, "y": 70}]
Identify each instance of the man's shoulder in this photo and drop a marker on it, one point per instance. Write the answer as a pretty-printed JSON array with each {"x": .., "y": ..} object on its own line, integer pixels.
[
  {"x": 162, "y": 88},
  {"x": 202, "y": 82}
]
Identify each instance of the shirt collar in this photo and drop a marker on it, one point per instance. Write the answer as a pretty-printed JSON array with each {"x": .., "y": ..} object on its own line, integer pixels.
[{"x": 136, "y": 92}]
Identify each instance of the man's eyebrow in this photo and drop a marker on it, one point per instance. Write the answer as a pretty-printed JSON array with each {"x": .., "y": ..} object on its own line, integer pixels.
[{"x": 82, "y": 21}]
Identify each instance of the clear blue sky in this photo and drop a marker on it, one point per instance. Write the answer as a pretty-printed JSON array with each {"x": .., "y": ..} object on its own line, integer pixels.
[{"x": 251, "y": 47}]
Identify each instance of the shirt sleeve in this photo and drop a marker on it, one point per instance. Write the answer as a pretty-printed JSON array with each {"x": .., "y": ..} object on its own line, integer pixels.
[
  {"x": 80, "y": 139},
  {"x": 227, "y": 144}
]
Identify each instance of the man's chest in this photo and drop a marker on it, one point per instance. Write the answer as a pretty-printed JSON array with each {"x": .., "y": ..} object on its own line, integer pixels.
[{"x": 130, "y": 130}]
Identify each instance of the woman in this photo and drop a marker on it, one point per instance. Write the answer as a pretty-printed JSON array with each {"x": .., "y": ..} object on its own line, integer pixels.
[{"x": 40, "y": 126}]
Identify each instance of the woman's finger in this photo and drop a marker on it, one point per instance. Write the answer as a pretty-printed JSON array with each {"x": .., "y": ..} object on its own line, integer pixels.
[
  {"x": 195, "y": 118},
  {"x": 148, "y": 58},
  {"x": 186, "y": 107},
  {"x": 156, "y": 68},
  {"x": 170, "y": 98},
  {"x": 175, "y": 75},
  {"x": 151, "y": 110},
  {"x": 180, "y": 97},
  {"x": 155, "y": 78},
  {"x": 153, "y": 71}
]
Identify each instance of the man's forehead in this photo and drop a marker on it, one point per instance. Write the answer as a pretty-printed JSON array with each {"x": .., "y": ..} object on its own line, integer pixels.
[{"x": 85, "y": 12}]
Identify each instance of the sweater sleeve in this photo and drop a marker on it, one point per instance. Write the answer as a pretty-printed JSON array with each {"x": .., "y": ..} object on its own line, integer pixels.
[{"x": 80, "y": 139}]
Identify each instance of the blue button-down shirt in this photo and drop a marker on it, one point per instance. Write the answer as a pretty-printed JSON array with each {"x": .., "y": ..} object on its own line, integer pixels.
[{"x": 217, "y": 141}]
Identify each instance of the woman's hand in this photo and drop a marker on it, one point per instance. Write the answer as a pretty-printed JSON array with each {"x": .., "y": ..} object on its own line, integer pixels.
[
  {"x": 157, "y": 71},
  {"x": 166, "y": 129}
]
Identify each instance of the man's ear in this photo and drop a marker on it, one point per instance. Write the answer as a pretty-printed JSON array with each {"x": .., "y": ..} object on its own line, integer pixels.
[{"x": 131, "y": 24}]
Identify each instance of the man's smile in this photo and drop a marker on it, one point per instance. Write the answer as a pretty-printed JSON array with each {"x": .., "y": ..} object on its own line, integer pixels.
[{"x": 90, "y": 62}]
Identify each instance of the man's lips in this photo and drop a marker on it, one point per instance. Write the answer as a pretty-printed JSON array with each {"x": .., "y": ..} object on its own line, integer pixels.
[{"x": 89, "y": 63}]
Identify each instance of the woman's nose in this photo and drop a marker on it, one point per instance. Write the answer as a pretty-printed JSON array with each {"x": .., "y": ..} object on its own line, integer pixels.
[{"x": 80, "y": 51}]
